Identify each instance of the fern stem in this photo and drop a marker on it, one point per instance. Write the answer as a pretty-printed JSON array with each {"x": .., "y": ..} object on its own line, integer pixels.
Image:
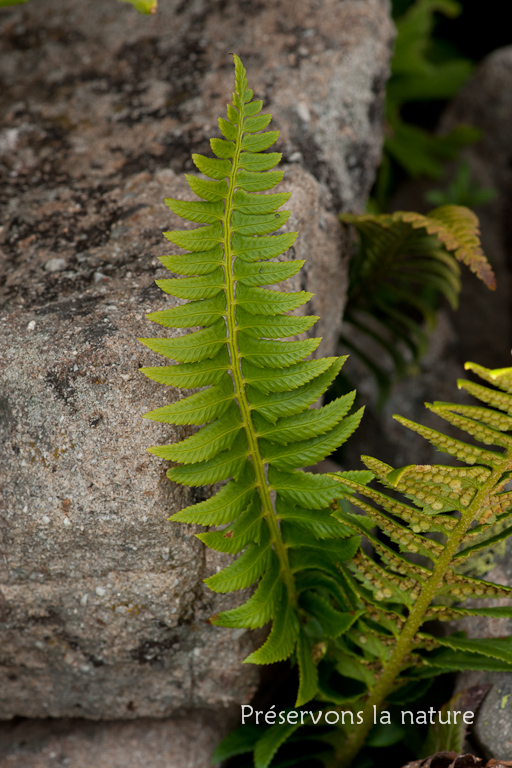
[
  {"x": 243, "y": 403},
  {"x": 352, "y": 743}
]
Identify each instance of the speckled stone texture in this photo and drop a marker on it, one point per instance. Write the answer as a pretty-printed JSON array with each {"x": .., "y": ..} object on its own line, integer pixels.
[
  {"x": 181, "y": 743},
  {"x": 94, "y": 93},
  {"x": 493, "y": 723},
  {"x": 100, "y": 593},
  {"x": 102, "y": 608}
]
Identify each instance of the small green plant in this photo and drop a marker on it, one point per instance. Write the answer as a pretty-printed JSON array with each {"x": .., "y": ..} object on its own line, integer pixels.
[
  {"x": 422, "y": 71},
  {"x": 405, "y": 264},
  {"x": 352, "y": 623},
  {"x": 463, "y": 190}
]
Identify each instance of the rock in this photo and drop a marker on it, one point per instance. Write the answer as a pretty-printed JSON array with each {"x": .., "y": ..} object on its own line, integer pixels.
[
  {"x": 95, "y": 95},
  {"x": 109, "y": 594},
  {"x": 103, "y": 611},
  {"x": 180, "y": 743},
  {"x": 493, "y": 725},
  {"x": 493, "y": 722},
  {"x": 55, "y": 265},
  {"x": 104, "y": 614}
]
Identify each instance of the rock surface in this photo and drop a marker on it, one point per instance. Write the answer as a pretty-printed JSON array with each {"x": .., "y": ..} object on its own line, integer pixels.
[
  {"x": 94, "y": 94},
  {"x": 180, "y": 743},
  {"x": 485, "y": 327},
  {"x": 107, "y": 594},
  {"x": 493, "y": 723},
  {"x": 103, "y": 612}
]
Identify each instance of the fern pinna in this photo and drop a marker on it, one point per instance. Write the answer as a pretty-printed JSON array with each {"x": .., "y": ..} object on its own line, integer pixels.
[
  {"x": 256, "y": 396},
  {"x": 466, "y": 509}
]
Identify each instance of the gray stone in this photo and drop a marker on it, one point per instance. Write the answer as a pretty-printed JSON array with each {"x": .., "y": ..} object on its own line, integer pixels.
[
  {"x": 484, "y": 324},
  {"x": 103, "y": 610},
  {"x": 493, "y": 723},
  {"x": 181, "y": 743},
  {"x": 106, "y": 94},
  {"x": 104, "y": 614},
  {"x": 55, "y": 265},
  {"x": 109, "y": 594}
]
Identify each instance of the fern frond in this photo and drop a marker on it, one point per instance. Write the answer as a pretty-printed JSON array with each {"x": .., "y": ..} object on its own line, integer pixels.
[
  {"x": 405, "y": 263},
  {"x": 456, "y": 227},
  {"x": 254, "y": 414},
  {"x": 452, "y": 514}
]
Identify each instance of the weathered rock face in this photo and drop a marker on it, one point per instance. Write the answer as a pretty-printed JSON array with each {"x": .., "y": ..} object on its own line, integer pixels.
[
  {"x": 101, "y": 594},
  {"x": 95, "y": 94},
  {"x": 182, "y": 743},
  {"x": 103, "y": 612},
  {"x": 493, "y": 723}
]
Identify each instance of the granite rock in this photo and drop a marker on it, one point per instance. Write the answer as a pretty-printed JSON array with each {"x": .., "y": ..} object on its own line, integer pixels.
[
  {"x": 103, "y": 610},
  {"x": 181, "y": 743},
  {"x": 93, "y": 95},
  {"x": 493, "y": 722}
]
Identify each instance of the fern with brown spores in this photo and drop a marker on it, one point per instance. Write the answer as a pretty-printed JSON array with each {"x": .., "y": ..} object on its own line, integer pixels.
[
  {"x": 258, "y": 389},
  {"x": 451, "y": 513}
]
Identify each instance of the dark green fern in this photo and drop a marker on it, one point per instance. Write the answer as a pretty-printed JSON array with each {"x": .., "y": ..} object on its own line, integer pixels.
[
  {"x": 256, "y": 407},
  {"x": 420, "y": 75},
  {"x": 405, "y": 264}
]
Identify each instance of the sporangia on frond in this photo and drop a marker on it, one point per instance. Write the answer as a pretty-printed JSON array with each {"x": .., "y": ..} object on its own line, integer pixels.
[
  {"x": 450, "y": 514},
  {"x": 259, "y": 428}
]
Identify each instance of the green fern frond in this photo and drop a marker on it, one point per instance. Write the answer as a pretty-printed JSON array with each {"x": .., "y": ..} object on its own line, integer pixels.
[
  {"x": 256, "y": 426},
  {"x": 405, "y": 263}
]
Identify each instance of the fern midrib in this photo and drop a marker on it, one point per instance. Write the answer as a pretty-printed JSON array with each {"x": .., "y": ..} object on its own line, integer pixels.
[
  {"x": 236, "y": 368},
  {"x": 355, "y": 741}
]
